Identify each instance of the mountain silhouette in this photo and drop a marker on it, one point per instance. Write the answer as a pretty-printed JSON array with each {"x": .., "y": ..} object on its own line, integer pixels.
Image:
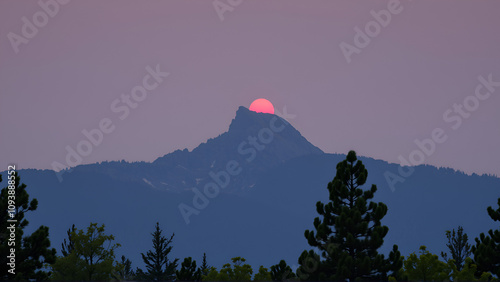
[
  {"x": 189, "y": 169},
  {"x": 262, "y": 212}
]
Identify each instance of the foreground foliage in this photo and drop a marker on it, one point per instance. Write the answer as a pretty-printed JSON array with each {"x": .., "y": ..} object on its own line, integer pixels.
[
  {"x": 159, "y": 267},
  {"x": 32, "y": 253},
  {"x": 350, "y": 231},
  {"x": 347, "y": 236},
  {"x": 238, "y": 271},
  {"x": 487, "y": 248},
  {"x": 91, "y": 257}
]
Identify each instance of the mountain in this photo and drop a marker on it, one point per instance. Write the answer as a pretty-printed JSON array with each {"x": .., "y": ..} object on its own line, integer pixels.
[
  {"x": 264, "y": 179},
  {"x": 256, "y": 141}
]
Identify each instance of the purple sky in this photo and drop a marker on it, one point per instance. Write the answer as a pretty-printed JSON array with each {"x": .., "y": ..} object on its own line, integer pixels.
[{"x": 427, "y": 59}]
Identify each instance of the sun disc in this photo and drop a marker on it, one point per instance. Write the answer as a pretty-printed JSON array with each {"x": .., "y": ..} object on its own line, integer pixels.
[{"x": 262, "y": 106}]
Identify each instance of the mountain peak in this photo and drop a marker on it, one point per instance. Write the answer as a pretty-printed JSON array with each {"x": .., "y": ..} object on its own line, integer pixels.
[
  {"x": 270, "y": 136},
  {"x": 257, "y": 141},
  {"x": 245, "y": 118}
]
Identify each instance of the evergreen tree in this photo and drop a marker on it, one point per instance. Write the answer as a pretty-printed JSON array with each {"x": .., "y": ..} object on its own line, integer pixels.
[
  {"x": 92, "y": 258},
  {"x": 487, "y": 248},
  {"x": 204, "y": 265},
  {"x": 311, "y": 267},
  {"x": 350, "y": 232},
  {"x": 68, "y": 246},
  {"x": 459, "y": 248},
  {"x": 159, "y": 267},
  {"x": 188, "y": 271},
  {"x": 281, "y": 272},
  {"x": 124, "y": 271},
  {"x": 32, "y": 253}
]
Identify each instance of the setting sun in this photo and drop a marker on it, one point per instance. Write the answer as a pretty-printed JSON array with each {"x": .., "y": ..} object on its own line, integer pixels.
[{"x": 262, "y": 106}]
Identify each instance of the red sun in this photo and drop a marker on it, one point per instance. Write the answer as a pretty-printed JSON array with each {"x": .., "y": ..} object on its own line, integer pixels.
[{"x": 262, "y": 106}]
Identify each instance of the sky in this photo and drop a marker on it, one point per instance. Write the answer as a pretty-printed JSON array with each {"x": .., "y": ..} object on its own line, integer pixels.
[{"x": 352, "y": 82}]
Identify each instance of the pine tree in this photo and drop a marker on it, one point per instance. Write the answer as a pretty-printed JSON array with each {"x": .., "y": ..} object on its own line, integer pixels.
[
  {"x": 281, "y": 272},
  {"x": 487, "y": 248},
  {"x": 159, "y": 266},
  {"x": 204, "y": 265},
  {"x": 33, "y": 252},
  {"x": 459, "y": 248},
  {"x": 124, "y": 271},
  {"x": 188, "y": 271},
  {"x": 350, "y": 232},
  {"x": 68, "y": 246}
]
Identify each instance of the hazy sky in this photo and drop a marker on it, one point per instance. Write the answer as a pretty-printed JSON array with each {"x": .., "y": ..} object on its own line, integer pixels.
[{"x": 68, "y": 73}]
